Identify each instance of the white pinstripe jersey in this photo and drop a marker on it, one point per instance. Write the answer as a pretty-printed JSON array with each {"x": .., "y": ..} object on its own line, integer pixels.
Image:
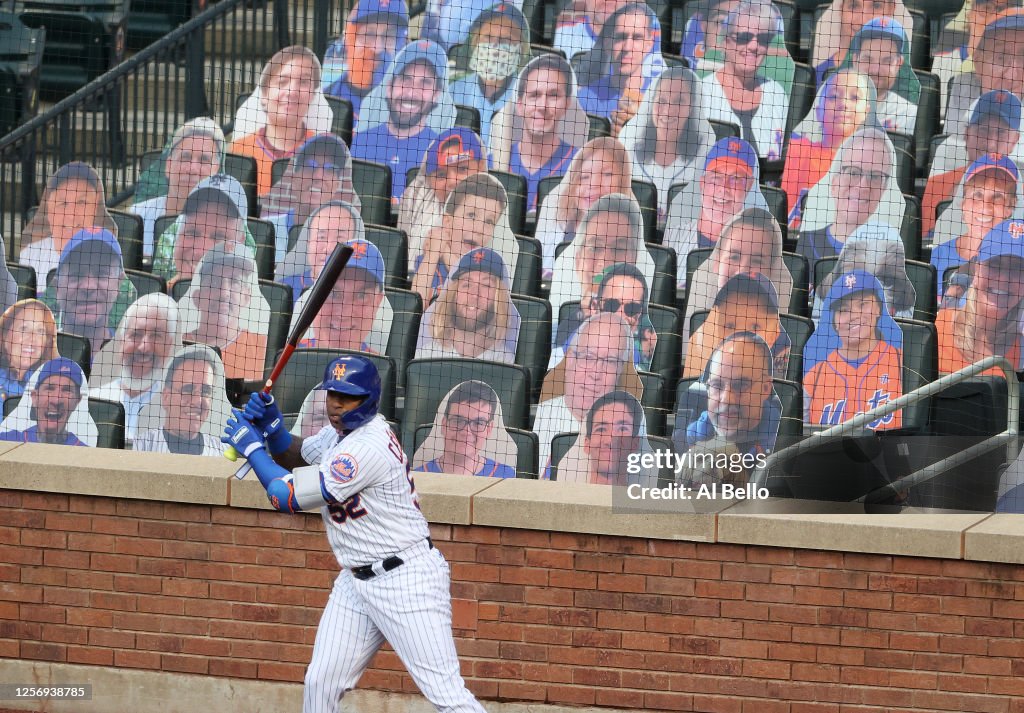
[{"x": 374, "y": 511}]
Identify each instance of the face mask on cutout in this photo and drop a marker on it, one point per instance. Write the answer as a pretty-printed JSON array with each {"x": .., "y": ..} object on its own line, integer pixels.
[{"x": 495, "y": 62}]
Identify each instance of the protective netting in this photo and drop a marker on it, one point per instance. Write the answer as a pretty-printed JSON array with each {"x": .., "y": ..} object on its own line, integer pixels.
[{"x": 704, "y": 229}]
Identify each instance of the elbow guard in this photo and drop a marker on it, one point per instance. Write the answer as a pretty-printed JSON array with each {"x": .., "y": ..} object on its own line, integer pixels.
[
  {"x": 281, "y": 493},
  {"x": 277, "y": 481}
]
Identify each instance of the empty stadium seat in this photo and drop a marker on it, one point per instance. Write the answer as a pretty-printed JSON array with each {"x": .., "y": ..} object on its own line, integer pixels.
[
  {"x": 25, "y": 276},
  {"x": 83, "y": 40},
  {"x": 724, "y": 129},
  {"x": 646, "y": 195},
  {"x": 534, "y": 347},
  {"x": 961, "y": 416},
  {"x": 906, "y": 163},
  {"x": 801, "y": 97},
  {"x": 405, "y": 327},
  {"x": 146, "y": 282},
  {"x": 77, "y": 349},
  {"x": 341, "y": 126},
  {"x": 778, "y": 206},
  {"x": 372, "y": 182},
  {"x": 928, "y": 118},
  {"x": 910, "y": 228},
  {"x": 920, "y": 366},
  {"x": 599, "y": 126},
  {"x": 654, "y": 402},
  {"x": 663, "y": 291},
  {"x": 800, "y": 270},
  {"x": 667, "y": 322},
  {"x": 468, "y": 118},
  {"x": 109, "y": 418},
  {"x": 394, "y": 247},
  {"x": 21, "y": 56},
  {"x": 279, "y": 299},
  {"x": 527, "y": 278},
  {"x": 515, "y": 188},
  {"x": 149, "y": 20},
  {"x": 560, "y": 445},
  {"x": 129, "y": 237},
  {"x": 428, "y": 381}
]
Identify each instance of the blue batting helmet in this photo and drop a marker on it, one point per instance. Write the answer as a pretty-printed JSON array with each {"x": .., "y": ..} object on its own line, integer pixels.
[{"x": 355, "y": 376}]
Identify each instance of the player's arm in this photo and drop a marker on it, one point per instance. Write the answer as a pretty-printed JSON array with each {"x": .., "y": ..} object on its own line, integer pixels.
[
  {"x": 288, "y": 491},
  {"x": 262, "y": 412}
]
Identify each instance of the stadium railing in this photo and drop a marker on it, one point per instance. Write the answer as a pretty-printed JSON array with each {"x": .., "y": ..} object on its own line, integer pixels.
[
  {"x": 775, "y": 463},
  {"x": 196, "y": 70}
]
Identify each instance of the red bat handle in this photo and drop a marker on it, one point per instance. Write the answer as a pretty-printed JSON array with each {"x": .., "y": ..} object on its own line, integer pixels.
[
  {"x": 286, "y": 354},
  {"x": 282, "y": 360}
]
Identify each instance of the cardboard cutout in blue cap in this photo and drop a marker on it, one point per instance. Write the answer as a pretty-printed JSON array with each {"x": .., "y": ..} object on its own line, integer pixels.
[
  {"x": 54, "y": 408},
  {"x": 888, "y": 65},
  {"x": 854, "y": 360},
  {"x": 356, "y": 316},
  {"x": 474, "y": 316},
  {"x": 351, "y": 69},
  {"x": 397, "y": 136},
  {"x": 90, "y": 292},
  {"x": 958, "y": 233},
  {"x": 700, "y": 211}
]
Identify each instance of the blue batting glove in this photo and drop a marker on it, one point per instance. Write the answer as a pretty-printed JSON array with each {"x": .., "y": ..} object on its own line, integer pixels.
[
  {"x": 241, "y": 434},
  {"x": 261, "y": 410}
]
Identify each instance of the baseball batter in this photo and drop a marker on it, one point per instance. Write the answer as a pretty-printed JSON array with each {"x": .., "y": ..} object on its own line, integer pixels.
[{"x": 394, "y": 585}]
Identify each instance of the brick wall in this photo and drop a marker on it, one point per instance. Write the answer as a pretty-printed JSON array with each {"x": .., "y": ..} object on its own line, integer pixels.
[{"x": 555, "y": 617}]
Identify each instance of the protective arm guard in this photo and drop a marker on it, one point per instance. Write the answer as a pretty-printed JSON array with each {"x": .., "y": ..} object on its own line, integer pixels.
[
  {"x": 278, "y": 482},
  {"x": 289, "y": 492}
]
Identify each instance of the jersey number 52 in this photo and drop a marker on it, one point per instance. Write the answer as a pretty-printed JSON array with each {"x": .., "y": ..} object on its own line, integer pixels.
[{"x": 351, "y": 508}]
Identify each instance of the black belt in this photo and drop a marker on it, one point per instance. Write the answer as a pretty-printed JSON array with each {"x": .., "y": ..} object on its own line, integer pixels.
[{"x": 366, "y": 571}]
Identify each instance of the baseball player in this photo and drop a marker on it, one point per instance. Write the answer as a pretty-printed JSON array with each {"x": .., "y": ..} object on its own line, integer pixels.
[{"x": 393, "y": 584}]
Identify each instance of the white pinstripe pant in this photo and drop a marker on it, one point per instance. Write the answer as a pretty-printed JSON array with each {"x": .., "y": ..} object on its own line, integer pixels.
[{"x": 411, "y": 608}]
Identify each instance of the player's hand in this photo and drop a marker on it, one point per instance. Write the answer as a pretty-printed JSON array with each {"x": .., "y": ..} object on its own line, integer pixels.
[
  {"x": 242, "y": 434},
  {"x": 261, "y": 411}
]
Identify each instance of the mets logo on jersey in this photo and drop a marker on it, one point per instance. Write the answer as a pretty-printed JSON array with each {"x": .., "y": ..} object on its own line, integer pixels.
[{"x": 344, "y": 468}]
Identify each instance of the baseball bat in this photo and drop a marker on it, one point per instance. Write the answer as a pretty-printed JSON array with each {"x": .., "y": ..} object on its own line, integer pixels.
[{"x": 318, "y": 294}]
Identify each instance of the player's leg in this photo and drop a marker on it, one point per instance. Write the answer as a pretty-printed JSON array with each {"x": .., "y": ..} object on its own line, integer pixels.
[
  {"x": 346, "y": 640},
  {"x": 412, "y": 607}
]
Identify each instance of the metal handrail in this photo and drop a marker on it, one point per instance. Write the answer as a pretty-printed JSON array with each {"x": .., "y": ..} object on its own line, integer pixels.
[
  {"x": 857, "y": 423},
  {"x": 101, "y": 84}
]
